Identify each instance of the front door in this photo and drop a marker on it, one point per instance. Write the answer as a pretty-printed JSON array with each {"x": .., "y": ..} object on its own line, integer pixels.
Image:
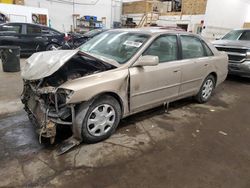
[{"x": 152, "y": 85}]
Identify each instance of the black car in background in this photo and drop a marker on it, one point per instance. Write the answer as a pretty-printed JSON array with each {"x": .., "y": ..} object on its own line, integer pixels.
[
  {"x": 79, "y": 39},
  {"x": 30, "y": 37}
]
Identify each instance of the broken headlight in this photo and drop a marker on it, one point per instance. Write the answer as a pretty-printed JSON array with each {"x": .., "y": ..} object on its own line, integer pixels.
[{"x": 63, "y": 95}]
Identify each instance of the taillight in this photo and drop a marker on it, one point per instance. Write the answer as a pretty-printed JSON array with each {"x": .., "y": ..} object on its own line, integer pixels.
[{"x": 67, "y": 37}]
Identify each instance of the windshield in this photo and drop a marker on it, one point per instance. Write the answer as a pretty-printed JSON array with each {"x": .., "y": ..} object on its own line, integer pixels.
[
  {"x": 116, "y": 45},
  {"x": 233, "y": 35}
]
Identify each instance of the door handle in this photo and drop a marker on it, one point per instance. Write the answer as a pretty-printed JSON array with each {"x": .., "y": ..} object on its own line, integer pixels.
[
  {"x": 175, "y": 71},
  {"x": 206, "y": 65}
]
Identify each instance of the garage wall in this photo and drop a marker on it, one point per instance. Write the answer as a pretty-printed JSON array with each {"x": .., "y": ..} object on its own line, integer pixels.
[
  {"x": 61, "y": 13},
  {"x": 191, "y": 20},
  {"x": 248, "y": 15},
  {"x": 224, "y": 15},
  {"x": 18, "y": 13}
]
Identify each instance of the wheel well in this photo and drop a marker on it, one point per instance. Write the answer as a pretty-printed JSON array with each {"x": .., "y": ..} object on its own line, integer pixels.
[
  {"x": 52, "y": 43},
  {"x": 112, "y": 94},
  {"x": 215, "y": 76}
]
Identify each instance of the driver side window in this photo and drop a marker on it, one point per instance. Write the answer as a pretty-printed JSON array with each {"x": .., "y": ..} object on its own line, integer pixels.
[{"x": 165, "y": 47}]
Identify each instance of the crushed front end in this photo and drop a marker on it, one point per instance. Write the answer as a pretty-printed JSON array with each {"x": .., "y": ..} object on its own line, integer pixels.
[
  {"x": 46, "y": 107},
  {"x": 46, "y": 102}
]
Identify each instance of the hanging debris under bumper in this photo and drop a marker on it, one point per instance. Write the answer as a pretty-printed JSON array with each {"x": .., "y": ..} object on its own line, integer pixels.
[{"x": 45, "y": 110}]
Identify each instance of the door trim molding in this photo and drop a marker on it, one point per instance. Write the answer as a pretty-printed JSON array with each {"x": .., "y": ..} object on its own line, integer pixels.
[{"x": 154, "y": 90}]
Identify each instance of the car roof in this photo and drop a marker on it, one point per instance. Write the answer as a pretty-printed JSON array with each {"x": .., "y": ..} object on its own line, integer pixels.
[
  {"x": 152, "y": 30},
  {"x": 242, "y": 29},
  {"x": 39, "y": 25},
  {"x": 25, "y": 23}
]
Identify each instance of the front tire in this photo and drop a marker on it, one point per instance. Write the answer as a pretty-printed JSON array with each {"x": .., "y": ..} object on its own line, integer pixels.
[
  {"x": 101, "y": 120},
  {"x": 206, "y": 89}
]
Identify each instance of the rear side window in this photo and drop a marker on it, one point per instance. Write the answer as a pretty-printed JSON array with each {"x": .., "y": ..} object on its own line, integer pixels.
[
  {"x": 165, "y": 47},
  {"x": 207, "y": 49},
  {"x": 54, "y": 32},
  {"x": 191, "y": 47},
  {"x": 33, "y": 29},
  {"x": 11, "y": 29},
  {"x": 245, "y": 35},
  {"x": 49, "y": 31}
]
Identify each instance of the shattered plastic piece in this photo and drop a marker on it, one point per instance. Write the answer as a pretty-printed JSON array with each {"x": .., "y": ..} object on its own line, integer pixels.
[
  {"x": 212, "y": 110},
  {"x": 127, "y": 130},
  {"x": 166, "y": 107},
  {"x": 223, "y": 133},
  {"x": 197, "y": 130},
  {"x": 67, "y": 145},
  {"x": 194, "y": 135}
]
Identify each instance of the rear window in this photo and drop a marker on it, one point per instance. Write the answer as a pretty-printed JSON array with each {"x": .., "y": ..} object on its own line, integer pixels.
[
  {"x": 49, "y": 31},
  {"x": 12, "y": 29},
  {"x": 207, "y": 49}
]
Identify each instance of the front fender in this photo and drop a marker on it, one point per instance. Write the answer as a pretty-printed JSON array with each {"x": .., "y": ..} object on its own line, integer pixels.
[{"x": 85, "y": 88}]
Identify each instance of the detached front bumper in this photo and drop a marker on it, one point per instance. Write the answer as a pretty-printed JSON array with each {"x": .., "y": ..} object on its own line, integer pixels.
[
  {"x": 45, "y": 112},
  {"x": 240, "y": 69}
]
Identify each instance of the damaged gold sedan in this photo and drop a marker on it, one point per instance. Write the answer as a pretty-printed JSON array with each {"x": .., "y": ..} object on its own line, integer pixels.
[{"x": 116, "y": 74}]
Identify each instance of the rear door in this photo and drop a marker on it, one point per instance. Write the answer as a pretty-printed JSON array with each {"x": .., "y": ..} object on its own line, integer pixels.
[
  {"x": 195, "y": 64},
  {"x": 32, "y": 39},
  {"x": 153, "y": 85}
]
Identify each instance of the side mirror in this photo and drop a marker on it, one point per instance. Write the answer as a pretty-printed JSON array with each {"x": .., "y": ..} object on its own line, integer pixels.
[{"x": 147, "y": 60}]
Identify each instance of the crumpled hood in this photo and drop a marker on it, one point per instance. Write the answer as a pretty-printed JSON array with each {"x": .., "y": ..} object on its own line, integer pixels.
[
  {"x": 43, "y": 64},
  {"x": 233, "y": 43}
]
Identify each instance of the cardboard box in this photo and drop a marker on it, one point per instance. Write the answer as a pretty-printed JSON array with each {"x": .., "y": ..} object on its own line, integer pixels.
[
  {"x": 19, "y": 2},
  {"x": 246, "y": 25},
  {"x": 194, "y": 7},
  {"x": 137, "y": 7}
]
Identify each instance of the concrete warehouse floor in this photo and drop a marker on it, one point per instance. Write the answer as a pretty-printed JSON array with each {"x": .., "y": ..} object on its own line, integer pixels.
[
  {"x": 10, "y": 90},
  {"x": 192, "y": 146}
]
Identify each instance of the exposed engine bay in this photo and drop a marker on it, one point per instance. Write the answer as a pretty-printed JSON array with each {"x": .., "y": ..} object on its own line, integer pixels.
[
  {"x": 78, "y": 66},
  {"x": 47, "y": 105}
]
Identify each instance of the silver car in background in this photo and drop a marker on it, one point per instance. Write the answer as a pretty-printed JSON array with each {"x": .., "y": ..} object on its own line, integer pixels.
[{"x": 237, "y": 45}]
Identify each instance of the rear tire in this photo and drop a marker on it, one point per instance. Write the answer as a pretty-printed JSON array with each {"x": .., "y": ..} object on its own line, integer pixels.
[
  {"x": 206, "y": 89},
  {"x": 101, "y": 120}
]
